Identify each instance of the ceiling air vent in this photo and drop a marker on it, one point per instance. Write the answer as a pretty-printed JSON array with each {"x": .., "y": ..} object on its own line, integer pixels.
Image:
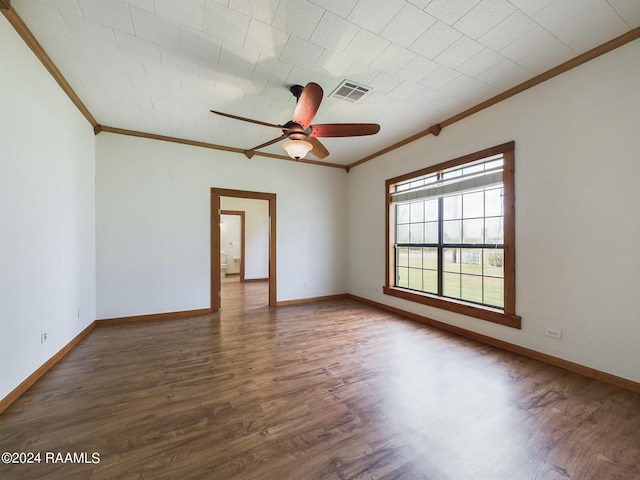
[{"x": 350, "y": 91}]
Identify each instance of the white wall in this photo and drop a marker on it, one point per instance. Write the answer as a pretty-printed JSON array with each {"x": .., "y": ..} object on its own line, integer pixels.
[
  {"x": 577, "y": 212},
  {"x": 256, "y": 262},
  {"x": 47, "y": 217},
  {"x": 153, "y": 223}
]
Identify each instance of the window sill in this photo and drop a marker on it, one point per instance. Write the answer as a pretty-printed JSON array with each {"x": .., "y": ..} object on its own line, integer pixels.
[{"x": 484, "y": 313}]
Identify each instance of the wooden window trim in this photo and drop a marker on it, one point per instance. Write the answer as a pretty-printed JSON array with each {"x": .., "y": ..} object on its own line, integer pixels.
[{"x": 507, "y": 316}]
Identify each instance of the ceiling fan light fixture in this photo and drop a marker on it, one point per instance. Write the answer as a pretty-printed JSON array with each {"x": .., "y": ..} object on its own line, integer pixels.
[{"x": 297, "y": 148}]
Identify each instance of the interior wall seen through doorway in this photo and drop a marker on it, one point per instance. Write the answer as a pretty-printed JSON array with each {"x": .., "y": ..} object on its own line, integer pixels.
[{"x": 256, "y": 248}]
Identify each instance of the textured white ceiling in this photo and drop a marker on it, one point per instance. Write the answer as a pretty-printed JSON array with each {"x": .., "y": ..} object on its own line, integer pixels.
[{"x": 159, "y": 66}]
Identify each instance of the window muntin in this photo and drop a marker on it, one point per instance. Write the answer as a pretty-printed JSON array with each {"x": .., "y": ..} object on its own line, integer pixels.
[
  {"x": 447, "y": 237},
  {"x": 468, "y": 273}
]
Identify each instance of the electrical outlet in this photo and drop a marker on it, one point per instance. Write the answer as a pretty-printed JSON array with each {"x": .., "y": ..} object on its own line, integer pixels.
[
  {"x": 553, "y": 333},
  {"x": 43, "y": 336},
  {"x": 306, "y": 286}
]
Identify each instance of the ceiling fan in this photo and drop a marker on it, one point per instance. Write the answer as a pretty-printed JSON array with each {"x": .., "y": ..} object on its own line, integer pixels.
[{"x": 302, "y": 137}]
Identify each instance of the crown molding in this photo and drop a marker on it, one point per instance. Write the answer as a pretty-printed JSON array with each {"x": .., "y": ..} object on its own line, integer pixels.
[
  {"x": 543, "y": 77},
  {"x": 195, "y": 143},
  {"x": 28, "y": 38}
]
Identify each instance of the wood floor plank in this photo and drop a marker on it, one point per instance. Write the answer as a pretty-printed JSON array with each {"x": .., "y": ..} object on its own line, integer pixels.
[{"x": 329, "y": 390}]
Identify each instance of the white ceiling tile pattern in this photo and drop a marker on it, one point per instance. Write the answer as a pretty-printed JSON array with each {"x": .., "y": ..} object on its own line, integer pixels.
[
  {"x": 265, "y": 39},
  {"x": 334, "y": 33},
  {"x": 480, "y": 62},
  {"x": 385, "y": 83},
  {"x": 556, "y": 13},
  {"x": 87, "y": 31},
  {"x": 298, "y": 17},
  {"x": 136, "y": 47},
  {"x": 155, "y": 29},
  {"x": 70, "y": 6},
  {"x": 374, "y": 15},
  {"x": 263, "y": 10},
  {"x": 527, "y": 44},
  {"x": 203, "y": 47},
  {"x": 504, "y": 74},
  {"x": 225, "y": 24},
  {"x": 508, "y": 31},
  {"x": 483, "y": 17},
  {"x": 417, "y": 69},
  {"x": 393, "y": 58},
  {"x": 148, "y": 5},
  {"x": 598, "y": 19},
  {"x": 407, "y": 25},
  {"x": 111, "y": 13},
  {"x": 300, "y": 53},
  {"x": 435, "y": 40},
  {"x": 450, "y": 12},
  {"x": 365, "y": 47},
  {"x": 189, "y": 13},
  {"x": 339, "y": 7},
  {"x": 459, "y": 52},
  {"x": 158, "y": 66},
  {"x": 439, "y": 78},
  {"x": 628, "y": 11}
]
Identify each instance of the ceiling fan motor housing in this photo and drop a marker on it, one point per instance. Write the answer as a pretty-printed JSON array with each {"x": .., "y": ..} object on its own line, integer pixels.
[
  {"x": 295, "y": 131},
  {"x": 296, "y": 90}
]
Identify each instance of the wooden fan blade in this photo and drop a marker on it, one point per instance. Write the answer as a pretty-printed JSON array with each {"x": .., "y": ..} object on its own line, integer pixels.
[
  {"x": 270, "y": 142},
  {"x": 344, "y": 129},
  {"x": 319, "y": 150},
  {"x": 307, "y": 105},
  {"x": 250, "y": 120}
]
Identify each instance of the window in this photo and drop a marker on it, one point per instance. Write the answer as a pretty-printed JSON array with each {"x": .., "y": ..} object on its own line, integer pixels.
[{"x": 451, "y": 236}]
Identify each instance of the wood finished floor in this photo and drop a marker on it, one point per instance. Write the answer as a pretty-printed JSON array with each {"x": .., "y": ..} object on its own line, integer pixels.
[{"x": 331, "y": 390}]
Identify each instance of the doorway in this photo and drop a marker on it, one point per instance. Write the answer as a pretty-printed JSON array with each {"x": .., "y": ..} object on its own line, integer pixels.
[
  {"x": 232, "y": 243},
  {"x": 216, "y": 247}
]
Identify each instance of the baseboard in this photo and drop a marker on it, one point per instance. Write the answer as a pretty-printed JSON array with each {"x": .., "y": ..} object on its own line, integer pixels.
[
  {"x": 247, "y": 280},
  {"x": 298, "y": 301},
  {"x": 106, "y": 322},
  {"x": 35, "y": 376},
  {"x": 526, "y": 352},
  {"x": 7, "y": 401}
]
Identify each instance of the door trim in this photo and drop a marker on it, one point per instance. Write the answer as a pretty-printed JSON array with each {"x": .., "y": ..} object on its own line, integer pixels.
[{"x": 216, "y": 193}]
